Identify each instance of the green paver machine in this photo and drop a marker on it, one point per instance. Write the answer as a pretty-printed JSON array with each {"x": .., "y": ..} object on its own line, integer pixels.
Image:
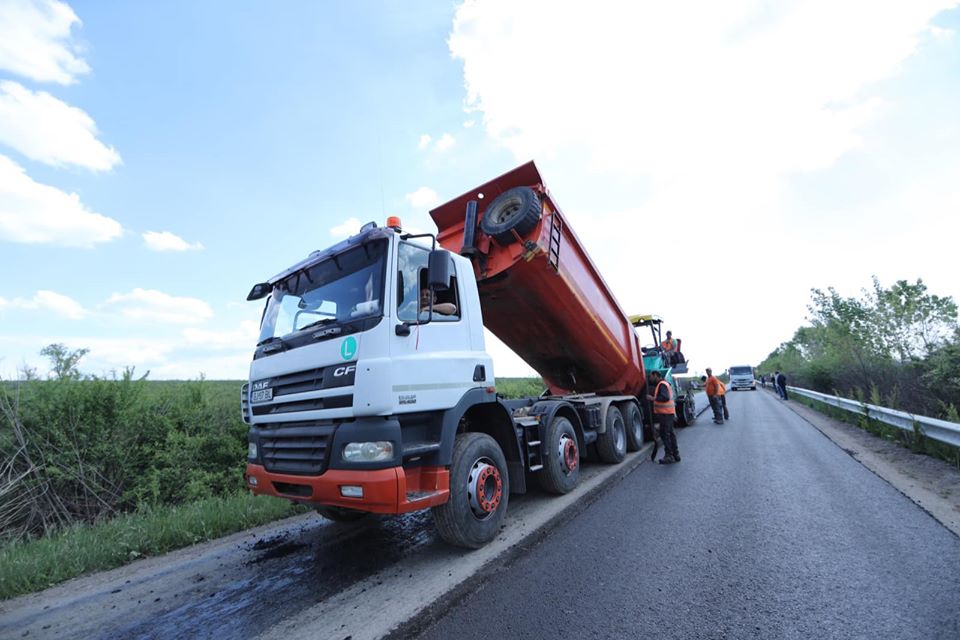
[{"x": 671, "y": 368}]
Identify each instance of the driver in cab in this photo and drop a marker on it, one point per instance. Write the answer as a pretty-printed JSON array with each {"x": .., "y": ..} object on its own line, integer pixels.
[{"x": 443, "y": 308}]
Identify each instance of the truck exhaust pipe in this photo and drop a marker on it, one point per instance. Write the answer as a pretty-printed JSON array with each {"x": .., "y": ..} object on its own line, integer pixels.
[{"x": 469, "y": 248}]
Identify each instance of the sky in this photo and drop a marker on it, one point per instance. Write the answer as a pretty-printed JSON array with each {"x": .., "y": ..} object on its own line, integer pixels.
[{"x": 717, "y": 159}]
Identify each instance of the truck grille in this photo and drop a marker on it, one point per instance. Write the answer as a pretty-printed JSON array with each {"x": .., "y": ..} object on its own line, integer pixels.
[
  {"x": 313, "y": 404},
  {"x": 311, "y": 380},
  {"x": 296, "y": 448}
]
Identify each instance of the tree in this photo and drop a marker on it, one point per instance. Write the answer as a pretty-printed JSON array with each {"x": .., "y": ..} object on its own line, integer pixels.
[
  {"x": 63, "y": 362},
  {"x": 911, "y": 322}
]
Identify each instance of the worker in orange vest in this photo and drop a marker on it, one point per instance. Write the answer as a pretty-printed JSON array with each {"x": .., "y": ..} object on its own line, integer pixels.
[
  {"x": 716, "y": 394},
  {"x": 669, "y": 348},
  {"x": 664, "y": 413}
]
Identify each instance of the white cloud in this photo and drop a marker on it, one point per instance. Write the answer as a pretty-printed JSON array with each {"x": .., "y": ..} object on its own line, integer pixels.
[
  {"x": 444, "y": 143},
  {"x": 469, "y": 124},
  {"x": 51, "y": 301},
  {"x": 422, "y": 197},
  {"x": 35, "y": 41},
  {"x": 741, "y": 90},
  {"x": 48, "y": 130},
  {"x": 752, "y": 136},
  {"x": 34, "y": 213},
  {"x": 155, "y": 306},
  {"x": 167, "y": 241},
  {"x": 347, "y": 228}
]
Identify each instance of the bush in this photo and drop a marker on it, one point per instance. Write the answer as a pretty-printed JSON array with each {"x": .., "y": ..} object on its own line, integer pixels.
[{"x": 80, "y": 449}]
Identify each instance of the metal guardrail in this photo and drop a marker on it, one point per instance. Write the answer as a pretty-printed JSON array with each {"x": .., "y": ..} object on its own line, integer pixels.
[{"x": 940, "y": 430}]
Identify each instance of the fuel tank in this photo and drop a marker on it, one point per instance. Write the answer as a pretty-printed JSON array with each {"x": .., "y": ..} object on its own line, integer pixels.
[{"x": 540, "y": 292}]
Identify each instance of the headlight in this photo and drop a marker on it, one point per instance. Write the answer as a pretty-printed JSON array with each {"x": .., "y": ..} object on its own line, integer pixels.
[
  {"x": 368, "y": 451},
  {"x": 252, "y": 450}
]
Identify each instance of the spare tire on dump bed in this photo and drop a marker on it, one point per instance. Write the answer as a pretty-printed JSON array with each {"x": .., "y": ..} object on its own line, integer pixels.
[{"x": 517, "y": 209}]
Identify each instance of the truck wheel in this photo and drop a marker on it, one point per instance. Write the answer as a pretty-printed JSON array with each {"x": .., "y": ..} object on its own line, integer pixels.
[
  {"x": 341, "y": 514},
  {"x": 561, "y": 463},
  {"x": 517, "y": 209},
  {"x": 681, "y": 412},
  {"x": 479, "y": 487},
  {"x": 633, "y": 419},
  {"x": 612, "y": 445},
  {"x": 688, "y": 411}
]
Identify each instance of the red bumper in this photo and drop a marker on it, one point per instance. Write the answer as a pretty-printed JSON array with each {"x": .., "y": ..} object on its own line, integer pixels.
[{"x": 393, "y": 490}]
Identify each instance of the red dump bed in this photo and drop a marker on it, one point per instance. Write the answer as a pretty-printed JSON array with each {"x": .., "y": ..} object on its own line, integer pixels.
[{"x": 544, "y": 298}]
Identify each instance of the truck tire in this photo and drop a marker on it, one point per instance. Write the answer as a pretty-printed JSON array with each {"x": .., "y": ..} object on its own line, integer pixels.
[
  {"x": 479, "y": 488},
  {"x": 561, "y": 460},
  {"x": 341, "y": 514},
  {"x": 633, "y": 421},
  {"x": 612, "y": 444},
  {"x": 687, "y": 411},
  {"x": 516, "y": 209}
]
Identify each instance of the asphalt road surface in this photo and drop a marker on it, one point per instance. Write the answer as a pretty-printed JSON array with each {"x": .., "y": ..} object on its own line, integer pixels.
[{"x": 766, "y": 529}]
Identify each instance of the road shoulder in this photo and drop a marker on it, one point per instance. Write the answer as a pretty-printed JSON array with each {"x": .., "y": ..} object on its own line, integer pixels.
[{"x": 934, "y": 485}]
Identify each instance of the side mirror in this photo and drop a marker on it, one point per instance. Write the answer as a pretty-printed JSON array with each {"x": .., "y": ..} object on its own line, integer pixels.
[
  {"x": 260, "y": 290},
  {"x": 438, "y": 270}
]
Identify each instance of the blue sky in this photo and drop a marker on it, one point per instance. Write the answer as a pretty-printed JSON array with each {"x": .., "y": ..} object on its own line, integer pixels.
[{"x": 766, "y": 151}]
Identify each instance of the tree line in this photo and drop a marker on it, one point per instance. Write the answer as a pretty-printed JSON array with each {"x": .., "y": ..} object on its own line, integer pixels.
[{"x": 896, "y": 346}]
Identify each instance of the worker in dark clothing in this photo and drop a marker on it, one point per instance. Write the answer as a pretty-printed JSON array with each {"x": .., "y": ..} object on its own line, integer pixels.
[
  {"x": 782, "y": 385},
  {"x": 664, "y": 412}
]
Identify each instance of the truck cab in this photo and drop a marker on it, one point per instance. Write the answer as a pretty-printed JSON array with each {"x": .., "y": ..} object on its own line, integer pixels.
[{"x": 353, "y": 382}]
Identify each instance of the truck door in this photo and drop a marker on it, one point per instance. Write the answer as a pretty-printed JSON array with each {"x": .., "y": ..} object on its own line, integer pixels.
[{"x": 434, "y": 365}]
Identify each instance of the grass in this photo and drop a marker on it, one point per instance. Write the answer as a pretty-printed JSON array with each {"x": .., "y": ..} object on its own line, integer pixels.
[
  {"x": 520, "y": 387},
  {"x": 41, "y": 563}
]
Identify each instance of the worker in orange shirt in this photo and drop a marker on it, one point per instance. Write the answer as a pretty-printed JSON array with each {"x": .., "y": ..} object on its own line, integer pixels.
[
  {"x": 716, "y": 394},
  {"x": 669, "y": 348}
]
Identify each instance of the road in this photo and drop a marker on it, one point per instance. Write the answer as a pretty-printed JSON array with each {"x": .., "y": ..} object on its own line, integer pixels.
[{"x": 766, "y": 529}]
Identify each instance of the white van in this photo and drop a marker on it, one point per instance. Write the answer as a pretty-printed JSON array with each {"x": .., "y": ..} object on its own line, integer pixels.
[{"x": 741, "y": 377}]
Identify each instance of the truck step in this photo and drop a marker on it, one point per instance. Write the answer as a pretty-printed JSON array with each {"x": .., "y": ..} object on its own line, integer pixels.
[
  {"x": 533, "y": 443},
  {"x": 414, "y": 496},
  {"x": 536, "y": 467}
]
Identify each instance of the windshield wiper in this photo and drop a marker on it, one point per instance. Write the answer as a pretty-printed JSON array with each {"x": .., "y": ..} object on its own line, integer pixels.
[
  {"x": 318, "y": 323},
  {"x": 271, "y": 344}
]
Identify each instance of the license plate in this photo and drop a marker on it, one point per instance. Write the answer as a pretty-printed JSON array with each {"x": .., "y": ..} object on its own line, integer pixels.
[{"x": 262, "y": 395}]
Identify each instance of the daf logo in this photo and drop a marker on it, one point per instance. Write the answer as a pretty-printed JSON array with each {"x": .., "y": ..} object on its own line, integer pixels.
[
  {"x": 342, "y": 371},
  {"x": 261, "y": 384}
]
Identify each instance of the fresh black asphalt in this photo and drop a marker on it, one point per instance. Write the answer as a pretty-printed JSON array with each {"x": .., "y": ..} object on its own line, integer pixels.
[{"x": 766, "y": 529}]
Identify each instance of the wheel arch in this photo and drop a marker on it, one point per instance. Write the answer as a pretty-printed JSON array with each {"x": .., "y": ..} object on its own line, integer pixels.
[{"x": 480, "y": 411}]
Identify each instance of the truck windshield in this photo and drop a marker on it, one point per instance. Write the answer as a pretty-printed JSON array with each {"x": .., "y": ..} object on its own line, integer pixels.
[
  {"x": 741, "y": 371},
  {"x": 329, "y": 294}
]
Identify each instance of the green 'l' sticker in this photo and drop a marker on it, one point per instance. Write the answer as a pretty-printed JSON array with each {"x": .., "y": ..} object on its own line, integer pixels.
[{"x": 348, "y": 348}]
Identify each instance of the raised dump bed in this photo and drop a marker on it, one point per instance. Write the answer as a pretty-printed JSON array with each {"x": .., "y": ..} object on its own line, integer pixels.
[{"x": 540, "y": 292}]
